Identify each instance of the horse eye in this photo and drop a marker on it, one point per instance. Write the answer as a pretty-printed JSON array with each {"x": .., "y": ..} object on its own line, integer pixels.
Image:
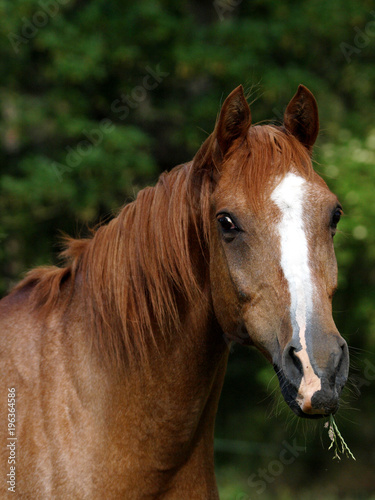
[
  {"x": 226, "y": 223},
  {"x": 336, "y": 216}
]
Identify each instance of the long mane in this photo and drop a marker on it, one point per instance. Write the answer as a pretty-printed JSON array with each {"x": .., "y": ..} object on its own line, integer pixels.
[{"x": 136, "y": 271}]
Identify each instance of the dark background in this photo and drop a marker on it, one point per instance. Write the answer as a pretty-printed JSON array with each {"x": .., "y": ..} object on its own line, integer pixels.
[{"x": 98, "y": 97}]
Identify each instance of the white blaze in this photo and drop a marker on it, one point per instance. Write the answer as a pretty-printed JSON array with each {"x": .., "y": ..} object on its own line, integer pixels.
[{"x": 290, "y": 197}]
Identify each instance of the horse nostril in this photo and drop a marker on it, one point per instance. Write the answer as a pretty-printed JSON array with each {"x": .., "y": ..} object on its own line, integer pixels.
[
  {"x": 339, "y": 365},
  {"x": 295, "y": 360},
  {"x": 343, "y": 363},
  {"x": 339, "y": 371}
]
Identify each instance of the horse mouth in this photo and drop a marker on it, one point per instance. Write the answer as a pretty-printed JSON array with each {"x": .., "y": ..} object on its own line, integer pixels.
[{"x": 290, "y": 394}]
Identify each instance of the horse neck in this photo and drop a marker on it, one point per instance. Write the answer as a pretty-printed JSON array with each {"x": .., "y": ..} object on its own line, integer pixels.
[{"x": 147, "y": 266}]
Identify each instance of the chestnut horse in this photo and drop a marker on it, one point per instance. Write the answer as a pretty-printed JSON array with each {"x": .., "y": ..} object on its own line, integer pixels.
[{"x": 113, "y": 365}]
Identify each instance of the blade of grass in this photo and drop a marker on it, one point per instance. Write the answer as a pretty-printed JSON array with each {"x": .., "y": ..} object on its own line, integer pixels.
[{"x": 337, "y": 441}]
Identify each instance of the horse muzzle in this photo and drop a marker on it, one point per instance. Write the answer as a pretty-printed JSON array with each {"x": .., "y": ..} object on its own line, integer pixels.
[{"x": 312, "y": 384}]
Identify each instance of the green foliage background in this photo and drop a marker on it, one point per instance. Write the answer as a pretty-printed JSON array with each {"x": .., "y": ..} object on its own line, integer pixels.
[{"x": 81, "y": 132}]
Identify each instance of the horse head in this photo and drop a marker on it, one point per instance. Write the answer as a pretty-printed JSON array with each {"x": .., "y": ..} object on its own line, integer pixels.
[{"x": 273, "y": 270}]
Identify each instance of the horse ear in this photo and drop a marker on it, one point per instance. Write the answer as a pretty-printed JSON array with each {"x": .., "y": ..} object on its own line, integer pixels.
[
  {"x": 234, "y": 120},
  {"x": 301, "y": 117}
]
